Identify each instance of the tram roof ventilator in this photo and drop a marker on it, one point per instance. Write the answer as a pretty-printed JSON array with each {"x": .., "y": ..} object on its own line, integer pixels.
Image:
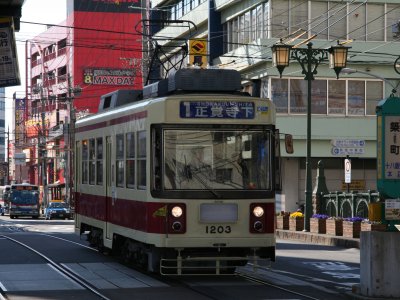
[
  {"x": 118, "y": 98},
  {"x": 196, "y": 80}
]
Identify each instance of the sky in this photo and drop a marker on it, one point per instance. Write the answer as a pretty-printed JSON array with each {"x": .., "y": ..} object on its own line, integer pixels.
[{"x": 38, "y": 11}]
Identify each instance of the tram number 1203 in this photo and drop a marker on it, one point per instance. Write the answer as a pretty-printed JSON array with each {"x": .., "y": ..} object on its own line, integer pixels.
[{"x": 218, "y": 229}]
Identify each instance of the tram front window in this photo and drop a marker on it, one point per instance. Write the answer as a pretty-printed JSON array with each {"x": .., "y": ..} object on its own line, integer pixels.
[{"x": 217, "y": 160}]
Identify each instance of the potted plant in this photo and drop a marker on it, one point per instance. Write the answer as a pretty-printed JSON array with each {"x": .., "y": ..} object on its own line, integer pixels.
[
  {"x": 334, "y": 226},
  {"x": 318, "y": 223},
  {"x": 282, "y": 220},
  {"x": 352, "y": 227},
  {"x": 367, "y": 225},
  {"x": 296, "y": 221}
]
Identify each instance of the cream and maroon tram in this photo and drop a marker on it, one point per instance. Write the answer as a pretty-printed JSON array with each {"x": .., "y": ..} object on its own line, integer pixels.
[{"x": 183, "y": 179}]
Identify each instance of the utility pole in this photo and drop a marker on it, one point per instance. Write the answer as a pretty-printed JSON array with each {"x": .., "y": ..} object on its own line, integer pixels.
[
  {"x": 42, "y": 147},
  {"x": 8, "y": 156},
  {"x": 72, "y": 91}
]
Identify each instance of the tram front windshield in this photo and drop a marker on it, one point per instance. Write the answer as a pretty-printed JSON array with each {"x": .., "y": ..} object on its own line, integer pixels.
[{"x": 217, "y": 159}]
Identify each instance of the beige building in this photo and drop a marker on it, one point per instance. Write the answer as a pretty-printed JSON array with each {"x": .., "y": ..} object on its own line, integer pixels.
[{"x": 240, "y": 34}]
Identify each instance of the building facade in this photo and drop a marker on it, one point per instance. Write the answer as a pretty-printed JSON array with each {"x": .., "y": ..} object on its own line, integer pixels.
[
  {"x": 98, "y": 49},
  {"x": 240, "y": 34}
]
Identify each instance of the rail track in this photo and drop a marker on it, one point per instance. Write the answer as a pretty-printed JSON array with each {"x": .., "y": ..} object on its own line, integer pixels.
[
  {"x": 184, "y": 281},
  {"x": 62, "y": 269}
]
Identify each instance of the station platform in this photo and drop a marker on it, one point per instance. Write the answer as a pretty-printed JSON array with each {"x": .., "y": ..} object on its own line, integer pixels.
[{"x": 316, "y": 238}]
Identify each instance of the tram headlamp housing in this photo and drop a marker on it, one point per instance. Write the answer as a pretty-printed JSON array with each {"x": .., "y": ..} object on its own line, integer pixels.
[
  {"x": 258, "y": 211},
  {"x": 176, "y": 211}
]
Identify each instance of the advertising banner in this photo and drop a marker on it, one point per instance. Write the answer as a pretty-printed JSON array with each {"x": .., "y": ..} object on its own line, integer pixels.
[{"x": 9, "y": 70}]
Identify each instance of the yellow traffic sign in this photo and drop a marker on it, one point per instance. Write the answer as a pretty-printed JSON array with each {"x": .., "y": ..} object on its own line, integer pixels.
[{"x": 198, "y": 47}]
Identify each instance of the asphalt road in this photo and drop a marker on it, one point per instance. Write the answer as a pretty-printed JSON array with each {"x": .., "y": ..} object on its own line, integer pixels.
[{"x": 320, "y": 272}]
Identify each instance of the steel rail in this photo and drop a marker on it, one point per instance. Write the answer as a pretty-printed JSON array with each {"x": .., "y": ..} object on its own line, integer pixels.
[{"x": 64, "y": 270}]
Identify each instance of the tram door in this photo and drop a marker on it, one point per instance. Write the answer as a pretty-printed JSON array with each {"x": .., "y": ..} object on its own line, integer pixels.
[{"x": 110, "y": 187}]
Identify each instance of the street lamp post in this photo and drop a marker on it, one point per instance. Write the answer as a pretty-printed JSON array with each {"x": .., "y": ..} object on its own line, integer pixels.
[{"x": 309, "y": 59}]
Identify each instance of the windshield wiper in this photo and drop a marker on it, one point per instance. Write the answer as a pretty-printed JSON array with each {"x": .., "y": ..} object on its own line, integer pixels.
[{"x": 218, "y": 196}]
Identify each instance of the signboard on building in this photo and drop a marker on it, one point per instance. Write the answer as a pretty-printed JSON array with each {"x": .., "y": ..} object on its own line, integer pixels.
[
  {"x": 347, "y": 170},
  {"x": 354, "y": 185},
  {"x": 392, "y": 147},
  {"x": 388, "y": 147},
  {"x": 104, "y": 76},
  {"x": 9, "y": 70},
  {"x": 19, "y": 120},
  {"x": 392, "y": 209},
  {"x": 347, "y": 147},
  {"x": 20, "y": 159}
]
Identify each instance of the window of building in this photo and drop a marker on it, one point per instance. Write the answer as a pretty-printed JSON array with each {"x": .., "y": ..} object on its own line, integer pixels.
[
  {"x": 279, "y": 94},
  {"x": 356, "y": 97},
  {"x": 245, "y": 28},
  {"x": 335, "y": 20},
  {"x": 298, "y": 15},
  {"x": 373, "y": 94},
  {"x": 337, "y": 97},
  {"x": 375, "y": 22},
  {"x": 298, "y": 96},
  {"x": 328, "y": 96},
  {"x": 393, "y": 20},
  {"x": 280, "y": 18},
  {"x": 357, "y": 21},
  {"x": 319, "y": 19}
]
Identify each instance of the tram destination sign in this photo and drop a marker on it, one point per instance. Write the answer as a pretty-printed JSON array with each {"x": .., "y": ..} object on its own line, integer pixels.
[{"x": 217, "y": 110}]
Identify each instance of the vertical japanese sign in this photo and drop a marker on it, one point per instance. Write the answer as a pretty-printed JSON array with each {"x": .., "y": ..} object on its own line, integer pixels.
[
  {"x": 388, "y": 147},
  {"x": 392, "y": 147},
  {"x": 19, "y": 120},
  {"x": 9, "y": 71}
]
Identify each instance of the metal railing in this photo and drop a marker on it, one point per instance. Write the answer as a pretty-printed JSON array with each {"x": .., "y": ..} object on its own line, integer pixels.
[{"x": 353, "y": 204}]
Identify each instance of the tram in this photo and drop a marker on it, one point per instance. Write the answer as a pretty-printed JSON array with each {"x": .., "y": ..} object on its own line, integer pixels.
[{"x": 180, "y": 177}]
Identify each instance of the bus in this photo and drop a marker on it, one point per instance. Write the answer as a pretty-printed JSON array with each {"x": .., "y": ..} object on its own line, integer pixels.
[
  {"x": 24, "y": 201},
  {"x": 4, "y": 196}
]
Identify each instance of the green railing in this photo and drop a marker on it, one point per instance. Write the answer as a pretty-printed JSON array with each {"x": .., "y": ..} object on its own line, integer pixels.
[{"x": 353, "y": 204}]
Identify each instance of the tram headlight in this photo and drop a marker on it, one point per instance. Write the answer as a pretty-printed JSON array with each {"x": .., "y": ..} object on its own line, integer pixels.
[
  {"x": 176, "y": 211},
  {"x": 258, "y": 211}
]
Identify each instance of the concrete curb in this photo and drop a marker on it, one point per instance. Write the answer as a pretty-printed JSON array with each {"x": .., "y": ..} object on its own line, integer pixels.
[{"x": 316, "y": 238}]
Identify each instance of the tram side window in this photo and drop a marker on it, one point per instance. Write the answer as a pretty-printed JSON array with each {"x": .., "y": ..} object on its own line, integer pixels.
[
  {"x": 141, "y": 159},
  {"x": 130, "y": 160},
  {"x": 92, "y": 161},
  {"x": 99, "y": 162},
  {"x": 85, "y": 156},
  {"x": 120, "y": 160}
]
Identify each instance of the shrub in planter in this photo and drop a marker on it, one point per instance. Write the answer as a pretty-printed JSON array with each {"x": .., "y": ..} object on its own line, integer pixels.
[
  {"x": 318, "y": 223},
  {"x": 296, "y": 221},
  {"x": 352, "y": 227}
]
